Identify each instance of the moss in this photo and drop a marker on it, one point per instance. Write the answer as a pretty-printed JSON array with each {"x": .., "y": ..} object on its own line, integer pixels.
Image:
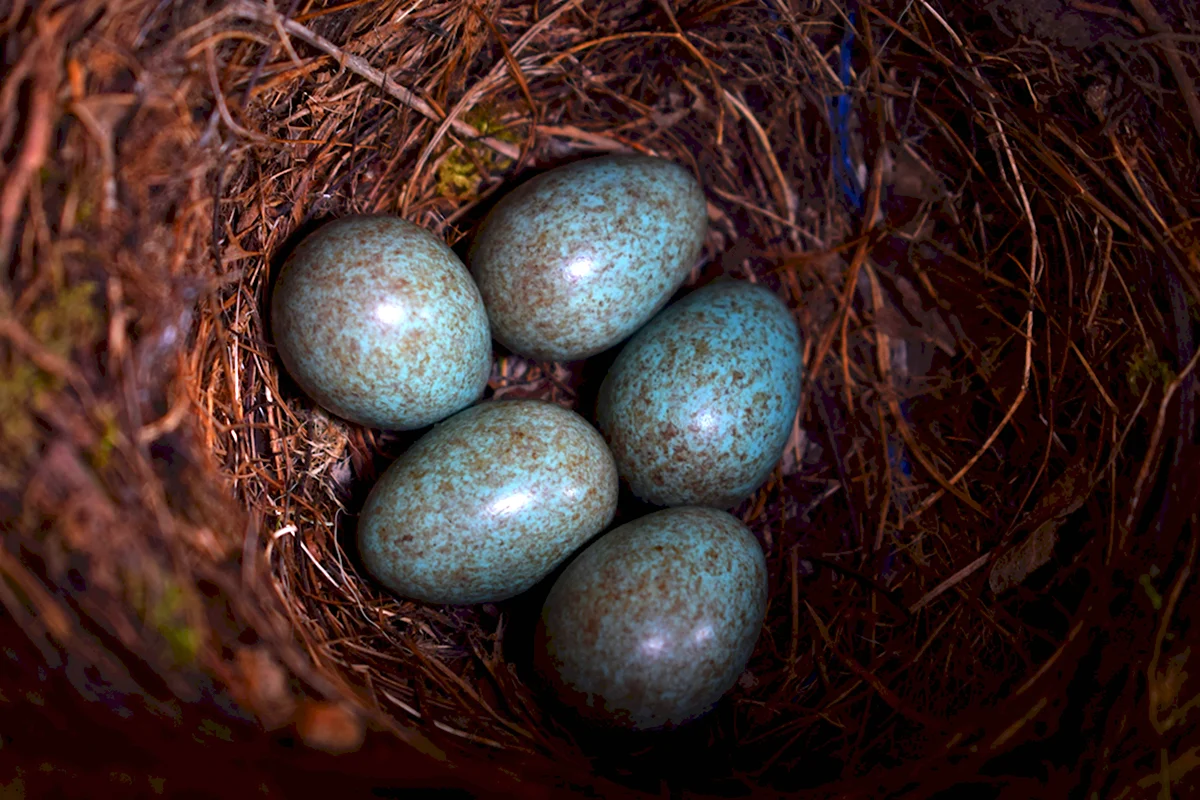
[
  {"x": 23, "y": 388},
  {"x": 68, "y": 322},
  {"x": 71, "y": 320},
  {"x": 101, "y": 452},
  {"x": 1151, "y": 592},
  {"x": 14, "y": 789},
  {"x": 166, "y": 615},
  {"x": 214, "y": 728},
  {"x": 85, "y": 211},
  {"x": 1146, "y": 367},
  {"x": 458, "y": 175},
  {"x": 184, "y": 642}
]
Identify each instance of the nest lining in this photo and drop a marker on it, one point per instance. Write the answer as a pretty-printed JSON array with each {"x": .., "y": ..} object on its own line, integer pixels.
[{"x": 988, "y": 265}]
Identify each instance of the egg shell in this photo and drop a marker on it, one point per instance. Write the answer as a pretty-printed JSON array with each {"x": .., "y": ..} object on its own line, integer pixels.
[
  {"x": 578, "y": 258},
  {"x": 379, "y": 321},
  {"x": 488, "y": 503},
  {"x": 656, "y": 620},
  {"x": 698, "y": 406}
]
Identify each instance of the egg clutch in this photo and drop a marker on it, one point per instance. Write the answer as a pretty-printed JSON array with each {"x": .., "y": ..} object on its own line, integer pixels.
[{"x": 381, "y": 324}]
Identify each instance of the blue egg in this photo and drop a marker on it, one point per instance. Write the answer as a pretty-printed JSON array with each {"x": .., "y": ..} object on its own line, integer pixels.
[
  {"x": 698, "y": 407},
  {"x": 656, "y": 620},
  {"x": 379, "y": 321},
  {"x": 575, "y": 260},
  {"x": 488, "y": 503}
]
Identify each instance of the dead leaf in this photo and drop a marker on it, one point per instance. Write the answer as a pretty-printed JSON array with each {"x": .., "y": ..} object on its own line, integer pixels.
[
  {"x": 331, "y": 727},
  {"x": 1168, "y": 685},
  {"x": 265, "y": 683},
  {"x": 934, "y": 328},
  {"x": 909, "y": 176},
  {"x": 1065, "y": 496},
  {"x": 670, "y": 120},
  {"x": 892, "y": 323},
  {"x": 1017, "y": 564}
]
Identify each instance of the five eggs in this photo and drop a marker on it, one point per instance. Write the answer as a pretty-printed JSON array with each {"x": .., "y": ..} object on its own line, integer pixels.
[{"x": 381, "y": 323}]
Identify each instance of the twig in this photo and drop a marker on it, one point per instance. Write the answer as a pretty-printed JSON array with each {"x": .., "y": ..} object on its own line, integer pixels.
[
  {"x": 1168, "y": 614},
  {"x": 950, "y": 582},
  {"x": 471, "y": 97},
  {"x": 887, "y": 695},
  {"x": 1015, "y": 728},
  {"x": 1155, "y": 437},
  {"x": 39, "y": 128},
  {"x": 597, "y": 140},
  {"x": 1105, "y": 263},
  {"x": 47, "y": 360},
  {"x": 361, "y": 67},
  {"x": 786, "y": 194},
  {"x": 1115, "y": 13},
  {"x": 210, "y": 63},
  {"x": 1186, "y": 87},
  {"x": 704, "y": 62},
  {"x": 1095, "y": 380},
  {"x": 33, "y": 349}
]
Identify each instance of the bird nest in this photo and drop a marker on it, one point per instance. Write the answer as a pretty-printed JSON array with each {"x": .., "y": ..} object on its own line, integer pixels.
[{"x": 981, "y": 537}]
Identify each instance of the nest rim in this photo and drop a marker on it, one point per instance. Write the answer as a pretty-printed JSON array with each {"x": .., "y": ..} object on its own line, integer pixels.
[{"x": 848, "y": 526}]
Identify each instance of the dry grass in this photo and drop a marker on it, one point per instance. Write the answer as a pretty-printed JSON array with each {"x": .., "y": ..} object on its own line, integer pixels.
[{"x": 999, "y": 349}]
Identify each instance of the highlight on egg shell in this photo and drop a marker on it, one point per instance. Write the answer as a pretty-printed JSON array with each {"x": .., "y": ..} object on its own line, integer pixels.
[
  {"x": 575, "y": 260},
  {"x": 656, "y": 620},
  {"x": 488, "y": 503},
  {"x": 699, "y": 405},
  {"x": 379, "y": 321}
]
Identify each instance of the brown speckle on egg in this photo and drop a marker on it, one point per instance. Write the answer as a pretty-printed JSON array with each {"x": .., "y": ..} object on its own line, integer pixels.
[{"x": 656, "y": 620}]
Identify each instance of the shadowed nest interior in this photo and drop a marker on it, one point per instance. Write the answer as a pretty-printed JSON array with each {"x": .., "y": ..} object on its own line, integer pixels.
[{"x": 981, "y": 537}]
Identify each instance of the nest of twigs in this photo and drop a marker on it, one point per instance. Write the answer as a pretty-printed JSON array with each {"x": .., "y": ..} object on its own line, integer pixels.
[{"x": 981, "y": 539}]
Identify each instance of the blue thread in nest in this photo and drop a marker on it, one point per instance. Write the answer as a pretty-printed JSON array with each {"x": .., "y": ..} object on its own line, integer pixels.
[
  {"x": 773, "y": 9},
  {"x": 843, "y": 169},
  {"x": 852, "y": 192},
  {"x": 847, "y": 181}
]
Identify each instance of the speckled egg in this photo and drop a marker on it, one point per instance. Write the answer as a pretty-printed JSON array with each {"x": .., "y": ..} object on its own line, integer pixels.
[
  {"x": 488, "y": 503},
  {"x": 380, "y": 323},
  {"x": 698, "y": 407},
  {"x": 577, "y": 259},
  {"x": 656, "y": 620}
]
